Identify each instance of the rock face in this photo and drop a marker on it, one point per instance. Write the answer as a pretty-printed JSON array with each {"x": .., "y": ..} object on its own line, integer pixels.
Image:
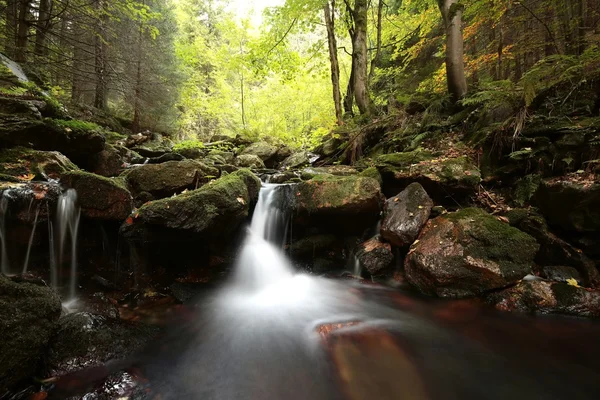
[
  {"x": 84, "y": 340},
  {"x": 169, "y": 178},
  {"x": 405, "y": 215},
  {"x": 41, "y": 165},
  {"x": 28, "y": 317},
  {"x": 547, "y": 298},
  {"x": 441, "y": 177},
  {"x": 468, "y": 253},
  {"x": 375, "y": 255},
  {"x": 212, "y": 211},
  {"x": 573, "y": 207},
  {"x": 249, "y": 161},
  {"x": 99, "y": 197},
  {"x": 266, "y": 152}
]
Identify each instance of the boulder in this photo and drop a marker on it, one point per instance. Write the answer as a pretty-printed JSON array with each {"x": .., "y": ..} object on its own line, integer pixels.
[
  {"x": 108, "y": 162},
  {"x": 166, "y": 157},
  {"x": 336, "y": 170},
  {"x": 538, "y": 296},
  {"x": 213, "y": 211},
  {"x": 445, "y": 179},
  {"x": 265, "y": 151},
  {"x": 468, "y": 253},
  {"x": 571, "y": 206},
  {"x": 22, "y": 199},
  {"x": 249, "y": 161},
  {"x": 405, "y": 215},
  {"x": 151, "y": 144},
  {"x": 28, "y": 317},
  {"x": 227, "y": 156},
  {"x": 375, "y": 255},
  {"x": 30, "y": 164},
  {"x": 296, "y": 160},
  {"x": 310, "y": 246},
  {"x": 169, "y": 178},
  {"x": 284, "y": 177},
  {"x": 99, "y": 197},
  {"x": 85, "y": 340},
  {"x": 561, "y": 273},
  {"x": 554, "y": 250}
]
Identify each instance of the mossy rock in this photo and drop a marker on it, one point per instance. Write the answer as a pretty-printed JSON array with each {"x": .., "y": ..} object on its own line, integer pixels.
[
  {"x": 249, "y": 161},
  {"x": 28, "y": 317},
  {"x": 265, "y": 151},
  {"x": 468, "y": 253},
  {"x": 25, "y": 163},
  {"x": 213, "y": 211},
  {"x": 169, "y": 178},
  {"x": 296, "y": 160},
  {"x": 100, "y": 197}
]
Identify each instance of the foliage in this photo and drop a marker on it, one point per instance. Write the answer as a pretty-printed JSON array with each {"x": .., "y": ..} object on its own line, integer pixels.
[{"x": 188, "y": 145}]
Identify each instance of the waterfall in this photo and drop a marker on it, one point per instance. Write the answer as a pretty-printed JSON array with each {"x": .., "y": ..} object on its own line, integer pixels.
[
  {"x": 26, "y": 263},
  {"x": 67, "y": 222}
]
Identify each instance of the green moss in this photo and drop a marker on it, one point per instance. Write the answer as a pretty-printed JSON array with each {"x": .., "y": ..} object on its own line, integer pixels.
[
  {"x": 459, "y": 170},
  {"x": 188, "y": 145},
  {"x": 337, "y": 192},
  {"x": 372, "y": 172},
  {"x": 77, "y": 125},
  {"x": 403, "y": 160},
  {"x": 113, "y": 137},
  {"x": 88, "y": 176}
]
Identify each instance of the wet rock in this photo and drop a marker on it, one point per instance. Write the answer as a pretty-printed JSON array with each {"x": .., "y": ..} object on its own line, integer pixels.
[
  {"x": 24, "y": 198},
  {"x": 547, "y": 298},
  {"x": 213, "y": 211},
  {"x": 375, "y": 255},
  {"x": 265, "y": 151},
  {"x": 405, "y": 215},
  {"x": 28, "y": 163},
  {"x": 296, "y": 160},
  {"x": 99, "y": 197},
  {"x": 169, "y": 178},
  {"x": 468, "y": 253},
  {"x": 445, "y": 179},
  {"x": 166, "y": 157},
  {"x": 108, "y": 162},
  {"x": 249, "y": 161},
  {"x": 561, "y": 274},
  {"x": 28, "y": 316},
  {"x": 84, "y": 340},
  {"x": 436, "y": 211},
  {"x": 312, "y": 245},
  {"x": 283, "y": 177},
  {"x": 574, "y": 207},
  {"x": 554, "y": 250},
  {"x": 184, "y": 292}
]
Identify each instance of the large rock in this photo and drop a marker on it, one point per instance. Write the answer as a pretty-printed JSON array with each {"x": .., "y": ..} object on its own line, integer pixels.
[
  {"x": 296, "y": 160},
  {"x": 405, "y": 215},
  {"x": 27, "y": 164},
  {"x": 108, "y": 162},
  {"x": 249, "y": 161},
  {"x": 538, "y": 296},
  {"x": 155, "y": 144},
  {"x": 85, "y": 340},
  {"x": 28, "y": 316},
  {"x": 213, "y": 211},
  {"x": 445, "y": 179},
  {"x": 375, "y": 255},
  {"x": 468, "y": 253},
  {"x": 573, "y": 207},
  {"x": 265, "y": 151},
  {"x": 554, "y": 251},
  {"x": 169, "y": 178},
  {"x": 99, "y": 197}
]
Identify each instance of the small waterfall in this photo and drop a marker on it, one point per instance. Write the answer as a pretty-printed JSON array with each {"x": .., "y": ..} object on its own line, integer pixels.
[
  {"x": 4, "y": 265},
  {"x": 356, "y": 266},
  {"x": 67, "y": 221},
  {"x": 26, "y": 263}
]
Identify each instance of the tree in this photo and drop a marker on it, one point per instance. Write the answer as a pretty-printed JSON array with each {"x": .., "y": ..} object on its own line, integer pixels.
[
  {"x": 455, "y": 66},
  {"x": 358, "y": 87},
  {"x": 329, "y": 13}
]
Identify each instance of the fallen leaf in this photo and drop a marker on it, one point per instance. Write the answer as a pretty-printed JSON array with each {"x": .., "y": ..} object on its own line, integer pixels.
[
  {"x": 503, "y": 219},
  {"x": 129, "y": 221},
  {"x": 572, "y": 282},
  {"x": 241, "y": 200}
]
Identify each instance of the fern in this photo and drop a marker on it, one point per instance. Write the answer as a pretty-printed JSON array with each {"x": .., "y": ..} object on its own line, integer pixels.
[{"x": 549, "y": 72}]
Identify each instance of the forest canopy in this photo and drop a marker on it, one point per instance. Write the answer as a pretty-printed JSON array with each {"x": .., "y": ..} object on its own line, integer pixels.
[{"x": 195, "y": 69}]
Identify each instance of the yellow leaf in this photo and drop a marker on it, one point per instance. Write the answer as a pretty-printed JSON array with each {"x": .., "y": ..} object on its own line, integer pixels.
[
  {"x": 241, "y": 200},
  {"x": 572, "y": 282}
]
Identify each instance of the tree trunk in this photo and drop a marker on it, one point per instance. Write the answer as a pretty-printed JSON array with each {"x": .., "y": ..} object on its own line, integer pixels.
[
  {"x": 11, "y": 22},
  {"x": 136, "y": 125},
  {"x": 23, "y": 31},
  {"x": 42, "y": 28},
  {"x": 101, "y": 96},
  {"x": 377, "y": 58},
  {"x": 359, "y": 57},
  {"x": 333, "y": 58},
  {"x": 455, "y": 64}
]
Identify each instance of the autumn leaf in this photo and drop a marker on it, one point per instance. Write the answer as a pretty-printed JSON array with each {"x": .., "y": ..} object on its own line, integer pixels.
[
  {"x": 572, "y": 282},
  {"x": 129, "y": 221},
  {"x": 241, "y": 200},
  {"x": 26, "y": 177}
]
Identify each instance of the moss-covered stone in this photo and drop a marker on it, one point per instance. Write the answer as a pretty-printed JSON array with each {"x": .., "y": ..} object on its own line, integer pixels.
[
  {"x": 295, "y": 160},
  {"x": 213, "y": 211},
  {"x": 100, "y": 197},
  {"x": 39, "y": 165},
  {"x": 372, "y": 172},
  {"x": 265, "y": 151},
  {"x": 28, "y": 316},
  {"x": 468, "y": 253},
  {"x": 249, "y": 161},
  {"x": 403, "y": 160}
]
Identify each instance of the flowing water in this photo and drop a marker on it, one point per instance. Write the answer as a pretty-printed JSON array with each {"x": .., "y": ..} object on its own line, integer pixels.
[
  {"x": 266, "y": 335},
  {"x": 67, "y": 223}
]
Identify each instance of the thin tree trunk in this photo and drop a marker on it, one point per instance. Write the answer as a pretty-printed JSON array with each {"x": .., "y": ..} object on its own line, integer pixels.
[
  {"x": 455, "y": 64},
  {"x": 377, "y": 58},
  {"x": 349, "y": 98},
  {"x": 11, "y": 21},
  {"x": 333, "y": 58},
  {"x": 101, "y": 96},
  {"x": 22, "y": 31},
  {"x": 136, "y": 123},
  {"x": 359, "y": 54},
  {"x": 42, "y": 28}
]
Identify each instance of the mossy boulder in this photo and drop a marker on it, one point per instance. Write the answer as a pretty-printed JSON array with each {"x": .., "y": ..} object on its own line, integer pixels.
[
  {"x": 100, "y": 197},
  {"x": 334, "y": 170},
  {"x": 109, "y": 162},
  {"x": 445, "y": 179},
  {"x": 405, "y": 215},
  {"x": 29, "y": 314},
  {"x": 169, "y": 178},
  {"x": 28, "y": 163},
  {"x": 468, "y": 253},
  {"x": 249, "y": 161},
  {"x": 295, "y": 160},
  {"x": 265, "y": 151},
  {"x": 545, "y": 297},
  {"x": 570, "y": 206},
  {"x": 157, "y": 146},
  {"x": 213, "y": 211}
]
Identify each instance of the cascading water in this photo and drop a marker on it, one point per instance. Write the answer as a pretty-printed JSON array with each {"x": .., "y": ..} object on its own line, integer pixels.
[
  {"x": 67, "y": 222},
  {"x": 30, "y": 244}
]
